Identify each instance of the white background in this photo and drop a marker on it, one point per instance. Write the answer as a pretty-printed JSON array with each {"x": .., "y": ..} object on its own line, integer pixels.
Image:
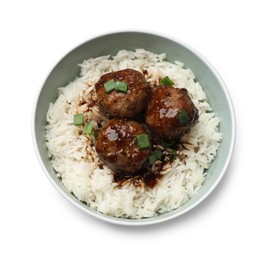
[{"x": 237, "y": 221}]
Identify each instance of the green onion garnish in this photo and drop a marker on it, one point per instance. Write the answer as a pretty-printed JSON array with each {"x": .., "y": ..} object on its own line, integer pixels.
[
  {"x": 121, "y": 86},
  {"x": 183, "y": 116},
  {"x": 109, "y": 86},
  {"x": 151, "y": 159},
  {"x": 172, "y": 156},
  {"x": 95, "y": 134},
  {"x": 88, "y": 128},
  {"x": 166, "y": 81},
  {"x": 167, "y": 143},
  {"x": 158, "y": 154},
  {"x": 78, "y": 119},
  {"x": 143, "y": 141}
]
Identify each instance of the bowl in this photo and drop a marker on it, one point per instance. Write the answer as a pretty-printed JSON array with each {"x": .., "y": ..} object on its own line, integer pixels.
[{"x": 67, "y": 69}]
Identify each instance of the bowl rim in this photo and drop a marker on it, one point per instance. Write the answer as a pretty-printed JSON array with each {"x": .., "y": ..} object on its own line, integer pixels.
[{"x": 166, "y": 216}]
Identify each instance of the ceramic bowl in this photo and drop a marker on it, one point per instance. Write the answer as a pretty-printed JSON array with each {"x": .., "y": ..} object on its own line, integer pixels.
[{"x": 67, "y": 69}]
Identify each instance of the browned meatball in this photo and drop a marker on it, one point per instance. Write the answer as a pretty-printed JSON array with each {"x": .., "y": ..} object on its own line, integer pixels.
[
  {"x": 123, "y": 105},
  {"x": 117, "y": 146},
  {"x": 170, "y": 112}
]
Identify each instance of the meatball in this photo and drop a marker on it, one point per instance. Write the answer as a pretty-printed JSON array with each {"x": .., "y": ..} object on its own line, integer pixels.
[
  {"x": 117, "y": 146},
  {"x": 123, "y": 105},
  {"x": 170, "y": 112}
]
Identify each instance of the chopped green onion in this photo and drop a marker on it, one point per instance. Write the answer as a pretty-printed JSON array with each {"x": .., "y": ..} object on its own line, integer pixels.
[
  {"x": 109, "y": 86},
  {"x": 158, "y": 154},
  {"x": 183, "y": 116},
  {"x": 166, "y": 81},
  {"x": 95, "y": 134},
  {"x": 121, "y": 86},
  {"x": 78, "y": 119},
  {"x": 151, "y": 159},
  {"x": 88, "y": 128},
  {"x": 172, "y": 156},
  {"x": 167, "y": 143},
  {"x": 143, "y": 141}
]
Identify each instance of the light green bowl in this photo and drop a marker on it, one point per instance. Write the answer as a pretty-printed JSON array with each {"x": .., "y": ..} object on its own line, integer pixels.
[{"x": 67, "y": 69}]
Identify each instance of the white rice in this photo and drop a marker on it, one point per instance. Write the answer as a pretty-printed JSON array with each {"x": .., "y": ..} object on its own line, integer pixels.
[{"x": 76, "y": 161}]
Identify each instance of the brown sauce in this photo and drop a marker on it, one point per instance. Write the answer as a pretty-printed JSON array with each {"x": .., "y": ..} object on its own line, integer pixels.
[
  {"x": 150, "y": 174},
  {"x": 146, "y": 176}
]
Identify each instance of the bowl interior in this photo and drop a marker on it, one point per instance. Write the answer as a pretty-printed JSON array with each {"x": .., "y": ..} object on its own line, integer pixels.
[{"x": 67, "y": 69}]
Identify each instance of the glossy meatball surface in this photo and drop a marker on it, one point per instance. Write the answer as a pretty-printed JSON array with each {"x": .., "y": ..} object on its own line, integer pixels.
[
  {"x": 117, "y": 146},
  {"x": 123, "y": 105},
  {"x": 165, "y": 114}
]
